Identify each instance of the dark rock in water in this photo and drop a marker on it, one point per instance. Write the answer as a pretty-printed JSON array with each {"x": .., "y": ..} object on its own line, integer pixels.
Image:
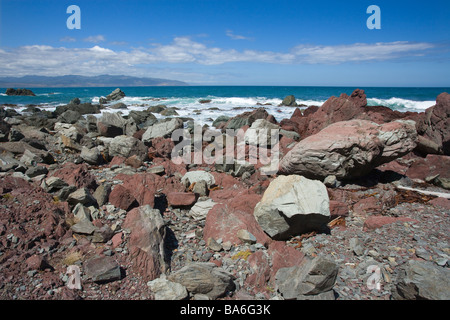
[
  {"x": 204, "y": 101},
  {"x": 246, "y": 118},
  {"x": 19, "y": 92},
  {"x": 158, "y": 108},
  {"x": 115, "y": 95},
  {"x": 82, "y": 108},
  {"x": 75, "y": 101},
  {"x": 289, "y": 101},
  {"x": 119, "y": 105}
]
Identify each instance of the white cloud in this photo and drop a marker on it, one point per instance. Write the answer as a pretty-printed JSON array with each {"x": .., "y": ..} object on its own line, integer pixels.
[
  {"x": 48, "y": 60},
  {"x": 67, "y": 39},
  {"x": 233, "y": 36},
  {"x": 95, "y": 39}
]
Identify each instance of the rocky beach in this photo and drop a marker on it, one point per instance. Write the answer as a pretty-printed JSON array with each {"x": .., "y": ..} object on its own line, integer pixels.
[{"x": 96, "y": 205}]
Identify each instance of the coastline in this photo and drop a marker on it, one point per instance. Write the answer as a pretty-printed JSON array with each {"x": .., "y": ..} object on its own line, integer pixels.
[{"x": 94, "y": 189}]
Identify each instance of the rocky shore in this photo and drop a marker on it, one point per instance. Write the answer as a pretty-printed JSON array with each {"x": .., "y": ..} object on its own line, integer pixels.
[{"x": 99, "y": 207}]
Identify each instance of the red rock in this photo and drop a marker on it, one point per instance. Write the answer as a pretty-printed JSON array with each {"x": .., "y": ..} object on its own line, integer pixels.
[
  {"x": 375, "y": 222},
  {"x": 430, "y": 166},
  {"x": 181, "y": 199},
  {"x": 367, "y": 206},
  {"x": 283, "y": 256},
  {"x": 441, "y": 202},
  {"x": 122, "y": 198},
  {"x": 338, "y": 209},
  {"x": 76, "y": 175},
  {"x": 162, "y": 147},
  {"x": 133, "y": 161},
  {"x": 36, "y": 262},
  {"x": 117, "y": 240},
  {"x": 117, "y": 160},
  {"x": 260, "y": 265},
  {"x": 226, "y": 219},
  {"x": 434, "y": 124},
  {"x": 146, "y": 242}
]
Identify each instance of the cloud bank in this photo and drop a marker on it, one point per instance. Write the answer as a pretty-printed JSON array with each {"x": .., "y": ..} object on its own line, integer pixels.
[{"x": 49, "y": 60}]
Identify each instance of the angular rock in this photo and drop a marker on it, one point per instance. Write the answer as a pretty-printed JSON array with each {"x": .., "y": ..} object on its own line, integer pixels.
[
  {"x": 101, "y": 194},
  {"x": 102, "y": 269},
  {"x": 422, "y": 280},
  {"x": 312, "y": 278},
  {"x": 181, "y": 199},
  {"x": 92, "y": 156},
  {"x": 200, "y": 210},
  {"x": 82, "y": 196},
  {"x": 349, "y": 149},
  {"x": 292, "y": 205},
  {"x": 164, "y": 289},
  {"x": 246, "y": 118},
  {"x": 36, "y": 171},
  {"x": 85, "y": 226},
  {"x": 162, "y": 129},
  {"x": 122, "y": 198},
  {"x": 146, "y": 242},
  {"x": 435, "y": 124},
  {"x": 205, "y": 278},
  {"x": 126, "y": 146},
  {"x": 289, "y": 101},
  {"x": 117, "y": 94},
  {"x": 196, "y": 176}
]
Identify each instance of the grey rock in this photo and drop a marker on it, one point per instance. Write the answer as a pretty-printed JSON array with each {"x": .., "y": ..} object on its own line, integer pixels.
[
  {"x": 162, "y": 129},
  {"x": 246, "y": 237},
  {"x": 292, "y": 205},
  {"x": 36, "y": 171},
  {"x": 126, "y": 146},
  {"x": 92, "y": 156},
  {"x": 200, "y": 188},
  {"x": 164, "y": 289},
  {"x": 82, "y": 196},
  {"x": 313, "y": 277},
  {"x": 117, "y": 94},
  {"x": 204, "y": 278},
  {"x": 69, "y": 116},
  {"x": 201, "y": 209},
  {"x": 81, "y": 213},
  {"x": 84, "y": 227},
  {"x": 102, "y": 269},
  {"x": 422, "y": 280},
  {"x": 101, "y": 194},
  {"x": 196, "y": 176},
  {"x": 289, "y": 101}
]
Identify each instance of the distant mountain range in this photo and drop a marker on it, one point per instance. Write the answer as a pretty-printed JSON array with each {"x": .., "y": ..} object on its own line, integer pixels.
[{"x": 85, "y": 81}]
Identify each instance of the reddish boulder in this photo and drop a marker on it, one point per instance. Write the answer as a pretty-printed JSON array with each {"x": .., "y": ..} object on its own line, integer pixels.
[
  {"x": 224, "y": 220},
  {"x": 375, "y": 222},
  {"x": 122, "y": 198},
  {"x": 181, "y": 199},
  {"x": 146, "y": 243},
  {"x": 76, "y": 175},
  {"x": 432, "y": 165},
  {"x": 434, "y": 124}
]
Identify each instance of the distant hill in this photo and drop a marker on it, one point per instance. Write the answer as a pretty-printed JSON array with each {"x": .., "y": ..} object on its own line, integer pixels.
[{"x": 84, "y": 81}]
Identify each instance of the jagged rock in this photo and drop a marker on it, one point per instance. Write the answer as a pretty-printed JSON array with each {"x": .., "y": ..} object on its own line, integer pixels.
[
  {"x": 102, "y": 269},
  {"x": 312, "y": 280},
  {"x": 117, "y": 94},
  {"x": 205, "y": 278},
  {"x": 162, "y": 129},
  {"x": 19, "y": 92},
  {"x": 422, "y": 280},
  {"x": 292, "y": 205},
  {"x": 126, "y": 146},
  {"x": 349, "y": 149}
]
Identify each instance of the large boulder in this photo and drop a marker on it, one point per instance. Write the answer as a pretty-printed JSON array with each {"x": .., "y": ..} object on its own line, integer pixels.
[
  {"x": 350, "y": 149},
  {"x": 117, "y": 94},
  {"x": 162, "y": 129},
  {"x": 312, "y": 280},
  {"x": 246, "y": 118},
  {"x": 126, "y": 146},
  {"x": 146, "y": 243},
  {"x": 434, "y": 125},
  {"x": 292, "y": 205},
  {"x": 289, "y": 101},
  {"x": 204, "y": 278},
  {"x": 422, "y": 280}
]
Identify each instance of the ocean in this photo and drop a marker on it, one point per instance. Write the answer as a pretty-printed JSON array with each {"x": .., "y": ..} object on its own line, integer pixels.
[{"x": 225, "y": 100}]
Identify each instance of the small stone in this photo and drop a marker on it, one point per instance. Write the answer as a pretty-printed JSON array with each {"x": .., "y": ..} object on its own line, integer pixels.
[
  {"x": 213, "y": 245},
  {"x": 246, "y": 236}
]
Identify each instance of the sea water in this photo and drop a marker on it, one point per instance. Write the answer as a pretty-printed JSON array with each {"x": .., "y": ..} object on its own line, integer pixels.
[{"x": 224, "y": 100}]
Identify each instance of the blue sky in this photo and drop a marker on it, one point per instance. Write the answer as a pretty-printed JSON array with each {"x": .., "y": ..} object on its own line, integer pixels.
[{"x": 228, "y": 42}]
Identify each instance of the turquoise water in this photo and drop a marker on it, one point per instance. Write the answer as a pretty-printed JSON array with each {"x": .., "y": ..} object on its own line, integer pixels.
[{"x": 228, "y": 100}]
